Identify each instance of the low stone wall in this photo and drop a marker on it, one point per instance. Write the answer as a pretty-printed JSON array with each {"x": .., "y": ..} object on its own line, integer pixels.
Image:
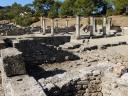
[
  {"x": 15, "y": 82},
  {"x": 80, "y": 83},
  {"x": 90, "y": 86},
  {"x": 45, "y": 50}
]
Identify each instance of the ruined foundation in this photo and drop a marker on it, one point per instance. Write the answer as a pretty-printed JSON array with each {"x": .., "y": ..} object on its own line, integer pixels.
[
  {"x": 22, "y": 74},
  {"x": 63, "y": 66}
]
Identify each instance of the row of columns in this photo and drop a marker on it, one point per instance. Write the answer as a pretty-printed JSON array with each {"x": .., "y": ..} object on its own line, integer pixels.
[
  {"x": 43, "y": 25},
  {"x": 106, "y": 26}
]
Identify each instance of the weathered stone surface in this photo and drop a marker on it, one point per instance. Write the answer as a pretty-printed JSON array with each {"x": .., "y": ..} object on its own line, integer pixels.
[
  {"x": 13, "y": 62},
  {"x": 123, "y": 80},
  {"x": 24, "y": 86},
  {"x": 119, "y": 69},
  {"x": 71, "y": 45},
  {"x": 96, "y": 72}
]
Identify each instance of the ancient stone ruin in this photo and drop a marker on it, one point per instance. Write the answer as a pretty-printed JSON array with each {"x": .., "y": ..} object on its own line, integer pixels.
[{"x": 93, "y": 64}]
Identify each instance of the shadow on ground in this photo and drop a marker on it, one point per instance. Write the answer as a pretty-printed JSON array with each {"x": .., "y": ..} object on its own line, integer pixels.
[{"x": 37, "y": 72}]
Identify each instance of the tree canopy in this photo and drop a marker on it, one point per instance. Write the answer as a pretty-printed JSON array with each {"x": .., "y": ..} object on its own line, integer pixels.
[{"x": 56, "y": 8}]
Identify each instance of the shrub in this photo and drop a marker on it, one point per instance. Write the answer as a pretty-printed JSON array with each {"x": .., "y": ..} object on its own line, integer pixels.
[{"x": 26, "y": 20}]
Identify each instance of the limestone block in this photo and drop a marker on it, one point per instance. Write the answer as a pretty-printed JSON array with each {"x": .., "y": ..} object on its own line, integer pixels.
[
  {"x": 83, "y": 83},
  {"x": 13, "y": 63},
  {"x": 25, "y": 86},
  {"x": 123, "y": 80}
]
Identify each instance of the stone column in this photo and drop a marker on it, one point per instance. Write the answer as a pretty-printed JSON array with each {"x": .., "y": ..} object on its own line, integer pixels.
[
  {"x": 56, "y": 25},
  {"x": 92, "y": 26},
  {"x": 44, "y": 26},
  {"x": 109, "y": 20},
  {"x": 52, "y": 27},
  {"x": 67, "y": 26},
  {"x": 77, "y": 27},
  {"x": 41, "y": 23},
  {"x": 6, "y": 33},
  {"x": 104, "y": 25}
]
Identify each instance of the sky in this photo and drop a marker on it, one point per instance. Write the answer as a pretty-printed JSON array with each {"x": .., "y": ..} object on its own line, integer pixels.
[{"x": 10, "y": 2}]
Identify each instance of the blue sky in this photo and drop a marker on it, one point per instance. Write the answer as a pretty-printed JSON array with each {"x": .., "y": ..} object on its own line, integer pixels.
[{"x": 9, "y": 2}]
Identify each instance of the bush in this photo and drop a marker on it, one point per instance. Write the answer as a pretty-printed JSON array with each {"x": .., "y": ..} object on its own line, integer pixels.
[
  {"x": 26, "y": 20},
  {"x": 109, "y": 12}
]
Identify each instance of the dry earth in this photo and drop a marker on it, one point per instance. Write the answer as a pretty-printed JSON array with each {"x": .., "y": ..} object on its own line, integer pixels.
[{"x": 114, "y": 55}]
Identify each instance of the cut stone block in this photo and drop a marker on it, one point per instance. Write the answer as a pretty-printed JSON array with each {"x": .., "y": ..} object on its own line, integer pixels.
[{"x": 13, "y": 62}]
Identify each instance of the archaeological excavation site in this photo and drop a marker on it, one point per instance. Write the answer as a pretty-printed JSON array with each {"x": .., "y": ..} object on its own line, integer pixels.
[{"x": 75, "y": 60}]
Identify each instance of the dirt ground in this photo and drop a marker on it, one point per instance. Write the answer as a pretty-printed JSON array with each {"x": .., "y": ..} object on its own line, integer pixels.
[{"x": 116, "y": 54}]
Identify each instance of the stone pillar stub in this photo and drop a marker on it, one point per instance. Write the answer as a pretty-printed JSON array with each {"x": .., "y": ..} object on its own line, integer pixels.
[{"x": 77, "y": 27}]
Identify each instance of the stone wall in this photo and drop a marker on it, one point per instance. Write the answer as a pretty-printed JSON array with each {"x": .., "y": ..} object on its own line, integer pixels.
[
  {"x": 15, "y": 81},
  {"x": 45, "y": 50},
  {"x": 88, "y": 85}
]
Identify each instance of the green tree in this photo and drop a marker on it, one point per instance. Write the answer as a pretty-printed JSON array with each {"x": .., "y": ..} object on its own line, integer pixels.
[
  {"x": 54, "y": 11},
  {"x": 120, "y": 5},
  {"x": 67, "y": 8},
  {"x": 77, "y": 7},
  {"x": 43, "y": 6},
  {"x": 84, "y": 7},
  {"x": 28, "y": 7}
]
